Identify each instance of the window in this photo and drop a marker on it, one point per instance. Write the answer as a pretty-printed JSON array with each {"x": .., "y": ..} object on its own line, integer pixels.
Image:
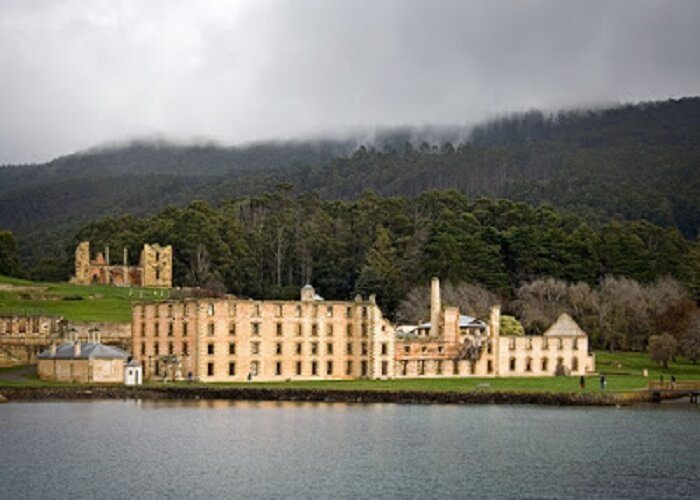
[
  {"x": 254, "y": 368},
  {"x": 143, "y": 329},
  {"x": 472, "y": 367},
  {"x": 424, "y": 349},
  {"x": 385, "y": 368},
  {"x": 184, "y": 329},
  {"x": 256, "y": 310},
  {"x": 574, "y": 364},
  {"x": 298, "y": 311},
  {"x": 348, "y": 348},
  {"x": 329, "y": 368},
  {"x": 210, "y": 309},
  {"x": 348, "y": 330},
  {"x": 278, "y": 348},
  {"x": 143, "y": 348},
  {"x": 329, "y": 330},
  {"x": 299, "y": 330},
  {"x": 156, "y": 348},
  {"x": 560, "y": 343},
  {"x": 544, "y": 364},
  {"x": 231, "y": 369},
  {"x": 529, "y": 343},
  {"x": 441, "y": 349},
  {"x": 298, "y": 368},
  {"x": 512, "y": 364},
  {"x": 279, "y": 310},
  {"x": 421, "y": 367},
  {"x": 232, "y": 328},
  {"x": 407, "y": 349},
  {"x": 211, "y": 329},
  {"x": 210, "y": 348},
  {"x": 210, "y": 369},
  {"x": 314, "y": 368},
  {"x": 156, "y": 329},
  {"x": 348, "y": 368},
  {"x": 528, "y": 365},
  {"x": 404, "y": 367},
  {"x": 278, "y": 329},
  {"x": 255, "y": 327},
  {"x": 489, "y": 347},
  {"x": 575, "y": 344},
  {"x": 489, "y": 366},
  {"x": 232, "y": 348},
  {"x": 314, "y": 348},
  {"x": 545, "y": 343},
  {"x": 157, "y": 312},
  {"x": 329, "y": 348},
  {"x": 298, "y": 348},
  {"x": 143, "y": 311},
  {"x": 364, "y": 312},
  {"x": 278, "y": 368},
  {"x": 170, "y": 310},
  {"x": 364, "y": 329},
  {"x": 255, "y": 347},
  {"x": 185, "y": 349},
  {"x": 511, "y": 343},
  {"x": 348, "y": 312},
  {"x": 455, "y": 367},
  {"x": 170, "y": 329},
  {"x": 364, "y": 348},
  {"x": 185, "y": 310},
  {"x": 329, "y": 311},
  {"x": 438, "y": 367},
  {"x": 171, "y": 348},
  {"x": 385, "y": 349},
  {"x": 363, "y": 368},
  {"x": 314, "y": 330}
]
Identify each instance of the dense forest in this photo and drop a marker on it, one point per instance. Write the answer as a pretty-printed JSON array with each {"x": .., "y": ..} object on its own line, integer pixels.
[
  {"x": 625, "y": 163},
  {"x": 270, "y": 245}
]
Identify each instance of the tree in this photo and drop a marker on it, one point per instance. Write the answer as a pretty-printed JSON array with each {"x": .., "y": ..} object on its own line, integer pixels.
[
  {"x": 9, "y": 264},
  {"x": 662, "y": 348},
  {"x": 511, "y": 326},
  {"x": 690, "y": 341}
]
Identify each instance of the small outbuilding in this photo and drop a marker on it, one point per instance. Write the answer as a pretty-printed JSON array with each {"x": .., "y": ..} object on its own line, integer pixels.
[
  {"x": 133, "y": 373},
  {"x": 84, "y": 362}
]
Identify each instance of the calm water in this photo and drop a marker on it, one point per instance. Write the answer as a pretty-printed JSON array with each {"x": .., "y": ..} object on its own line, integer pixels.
[{"x": 119, "y": 449}]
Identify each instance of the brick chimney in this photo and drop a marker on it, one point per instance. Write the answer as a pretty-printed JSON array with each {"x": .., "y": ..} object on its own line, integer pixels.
[{"x": 435, "y": 307}]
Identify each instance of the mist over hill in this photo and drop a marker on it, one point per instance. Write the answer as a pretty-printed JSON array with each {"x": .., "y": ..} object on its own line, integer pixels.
[{"x": 631, "y": 162}]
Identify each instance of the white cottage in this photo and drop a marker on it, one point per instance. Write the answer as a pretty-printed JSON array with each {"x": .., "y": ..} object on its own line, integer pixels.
[{"x": 133, "y": 374}]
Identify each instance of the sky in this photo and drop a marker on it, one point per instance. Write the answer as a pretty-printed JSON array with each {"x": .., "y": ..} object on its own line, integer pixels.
[{"x": 76, "y": 74}]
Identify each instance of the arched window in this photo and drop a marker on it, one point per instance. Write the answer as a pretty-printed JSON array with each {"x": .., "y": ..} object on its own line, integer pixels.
[
  {"x": 574, "y": 364},
  {"x": 528, "y": 364},
  {"x": 545, "y": 364},
  {"x": 512, "y": 364}
]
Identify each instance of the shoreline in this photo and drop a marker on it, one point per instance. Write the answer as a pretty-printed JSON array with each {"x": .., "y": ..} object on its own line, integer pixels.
[{"x": 323, "y": 395}]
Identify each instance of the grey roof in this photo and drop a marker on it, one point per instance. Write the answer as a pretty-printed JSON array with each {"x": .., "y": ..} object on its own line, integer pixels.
[
  {"x": 87, "y": 351},
  {"x": 134, "y": 363},
  {"x": 464, "y": 322}
]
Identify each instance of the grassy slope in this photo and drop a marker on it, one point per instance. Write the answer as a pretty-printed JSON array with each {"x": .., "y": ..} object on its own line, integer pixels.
[{"x": 95, "y": 303}]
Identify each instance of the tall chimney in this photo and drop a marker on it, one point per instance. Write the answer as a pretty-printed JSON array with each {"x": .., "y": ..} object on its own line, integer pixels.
[
  {"x": 435, "y": 307},
  {"x": 76, "y": 348},
  {"x": 126, "y": 256},
  {"x": 107, "y": 254},
  {"x": 495, "y": 321}
]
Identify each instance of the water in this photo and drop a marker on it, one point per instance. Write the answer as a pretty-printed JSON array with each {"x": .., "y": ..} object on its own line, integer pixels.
[{"x": 119, "y": 449}]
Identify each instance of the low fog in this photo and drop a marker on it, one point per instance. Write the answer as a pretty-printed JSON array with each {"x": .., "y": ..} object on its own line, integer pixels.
[{"x": 74, "y": 74}]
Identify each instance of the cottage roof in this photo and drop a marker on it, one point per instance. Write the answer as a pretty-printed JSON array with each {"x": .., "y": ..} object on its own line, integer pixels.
[
  {"x": 565, "y": 326},
  {"x": 88, "y": 350},
  {"x": 134, "y": 363}
]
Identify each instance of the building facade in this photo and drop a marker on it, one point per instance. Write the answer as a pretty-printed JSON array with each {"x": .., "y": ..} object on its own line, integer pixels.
[
  {"x": 456, "y": 345},
  {"x": 229, "y": 339},
  {"x": 83, "y": 362},
  {"x": 154, "y": 270},
  {"x": 22, "y": 337}
]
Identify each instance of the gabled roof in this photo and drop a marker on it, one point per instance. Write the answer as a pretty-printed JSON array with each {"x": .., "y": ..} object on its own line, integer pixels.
[
  {"x": 564, "y": 326},
  {"x": 87, "y": 351}
]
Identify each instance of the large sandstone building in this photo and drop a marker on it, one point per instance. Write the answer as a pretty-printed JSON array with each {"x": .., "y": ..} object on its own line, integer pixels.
[
  {"x": 154, "y": 270},
  {"x": 230, "y": 339}
]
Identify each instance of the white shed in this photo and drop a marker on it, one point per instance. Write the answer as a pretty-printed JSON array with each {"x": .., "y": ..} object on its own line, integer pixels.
[{"x": 133, "y": 374}]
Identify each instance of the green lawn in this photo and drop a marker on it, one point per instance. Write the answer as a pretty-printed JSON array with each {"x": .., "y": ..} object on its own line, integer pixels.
[{"x": 73, "y": 302}]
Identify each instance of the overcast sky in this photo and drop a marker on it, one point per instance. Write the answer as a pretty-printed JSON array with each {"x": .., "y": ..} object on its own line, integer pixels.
[{"x": 75, "y": 74}]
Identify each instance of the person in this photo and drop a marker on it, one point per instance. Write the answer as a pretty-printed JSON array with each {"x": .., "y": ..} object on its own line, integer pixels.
[
  {"x": 582, "y": 382},
  {"x": 673, "y": 382},
  {"x": 602, "y": 382}
]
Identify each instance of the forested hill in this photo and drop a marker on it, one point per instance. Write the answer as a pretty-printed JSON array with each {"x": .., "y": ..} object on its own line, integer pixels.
[{"x": 630, "y": 162}]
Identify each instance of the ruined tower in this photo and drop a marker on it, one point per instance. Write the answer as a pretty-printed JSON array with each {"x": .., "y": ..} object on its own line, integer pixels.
[
  {"x": 82, "y": 264},
  {"x": 157, "y": 266}
]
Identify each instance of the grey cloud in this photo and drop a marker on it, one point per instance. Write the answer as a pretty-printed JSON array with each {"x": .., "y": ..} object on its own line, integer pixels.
[{"x": 78, "y": 73}]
